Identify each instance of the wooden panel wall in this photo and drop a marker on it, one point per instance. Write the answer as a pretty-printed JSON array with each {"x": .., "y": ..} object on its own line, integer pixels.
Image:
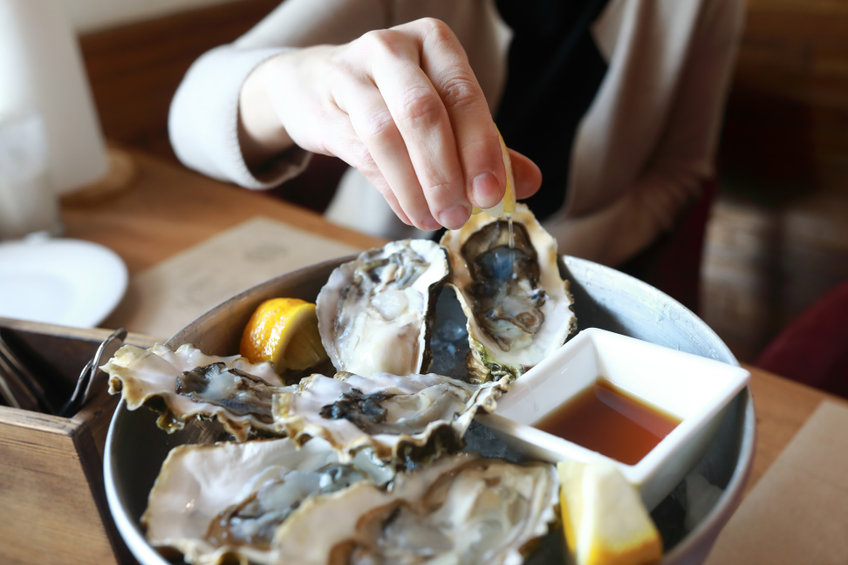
[
  {"x": 787, "y": 120},
  {"x": 135, "y": 69},
  {"x": 779, "y": 234}
]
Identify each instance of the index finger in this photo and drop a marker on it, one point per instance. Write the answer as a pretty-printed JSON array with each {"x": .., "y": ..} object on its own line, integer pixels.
[{"x": 420, "y": 117}]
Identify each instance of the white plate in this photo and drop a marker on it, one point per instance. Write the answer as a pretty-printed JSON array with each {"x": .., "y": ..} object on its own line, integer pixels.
[
  {"x": 692, "y": 388},
  {"x": 60, "y": 281}
]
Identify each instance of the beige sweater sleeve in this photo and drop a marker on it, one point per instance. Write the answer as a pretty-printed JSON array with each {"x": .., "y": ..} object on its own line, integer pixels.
[
  {"x": 203, "y": 117},
  {"x": 672, "y": 173}
]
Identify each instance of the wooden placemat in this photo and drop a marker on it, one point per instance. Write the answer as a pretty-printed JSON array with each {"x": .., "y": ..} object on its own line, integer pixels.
[
  {"x": 165, "y": 298},
  {"x": 798, "y": 511}
]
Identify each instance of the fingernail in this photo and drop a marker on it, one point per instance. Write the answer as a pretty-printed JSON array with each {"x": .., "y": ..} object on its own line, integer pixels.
[
  {"x": 454, "y": 217},
  {"x": 485, "y": 190}
]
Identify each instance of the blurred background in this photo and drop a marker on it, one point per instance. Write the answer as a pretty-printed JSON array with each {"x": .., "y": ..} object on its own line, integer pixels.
[{"x": 778, "y": 235}]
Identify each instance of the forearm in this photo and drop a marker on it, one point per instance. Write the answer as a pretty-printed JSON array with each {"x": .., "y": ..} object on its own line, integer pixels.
[
  {"x": 262, "y": 137},
  {"x": 203, "y": 121},
  {"x": 402, "y": 104},
  {"x": 214, "y": 132}
]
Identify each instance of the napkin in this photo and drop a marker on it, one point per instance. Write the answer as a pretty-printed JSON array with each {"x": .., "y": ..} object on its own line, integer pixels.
[
  {"x": 798, "y": 511},
  {"x": 163, "y": 299}
]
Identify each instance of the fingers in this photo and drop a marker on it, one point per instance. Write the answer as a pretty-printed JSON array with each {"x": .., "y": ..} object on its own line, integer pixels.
[
  {"x": 435, "y": 190},
  {"x": 347, "y": 145},
  {"x": 476, "y": 137},
  {"x": 527, "y": 175},
  {"x": 404, "y": 107},
  {"x": 448, "y": 152},
  {"x": 392, "y": 170}
]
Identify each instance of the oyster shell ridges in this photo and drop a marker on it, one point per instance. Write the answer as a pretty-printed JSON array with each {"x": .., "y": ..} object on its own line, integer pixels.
[
  {"x": 459, "y": 509},
  {"x": 375, "y": 312},
  {"x": 402, "y": 419},
  {"x": 517, "y": 304},
  {"x": 214, "y": 502},
  {"x": 226, "y": 388}
]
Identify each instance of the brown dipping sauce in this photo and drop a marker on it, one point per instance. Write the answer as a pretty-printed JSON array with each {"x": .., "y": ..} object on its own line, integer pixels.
[{"x": 608, "y": 420}]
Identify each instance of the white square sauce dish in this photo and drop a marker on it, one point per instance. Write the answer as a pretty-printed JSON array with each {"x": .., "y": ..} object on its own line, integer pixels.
[{"x": 649, "y": 408}]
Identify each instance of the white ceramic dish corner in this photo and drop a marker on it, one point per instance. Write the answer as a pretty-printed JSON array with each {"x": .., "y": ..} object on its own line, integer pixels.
[{"x": 694, "y": 389}]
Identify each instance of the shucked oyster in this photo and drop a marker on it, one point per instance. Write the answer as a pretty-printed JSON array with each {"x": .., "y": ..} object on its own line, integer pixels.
[
  {"x": 460, "y": 509},
  {"x": 374, "y": 312},
  {"x": 402, "y": 418},
  {"x": 225, "y": 501},
  {"x": 191, "y": 384},
  {"x": 509, "y": 285}
]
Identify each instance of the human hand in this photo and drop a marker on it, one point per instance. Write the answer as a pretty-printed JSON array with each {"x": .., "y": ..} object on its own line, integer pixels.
[{"x": 403, "y": 106}]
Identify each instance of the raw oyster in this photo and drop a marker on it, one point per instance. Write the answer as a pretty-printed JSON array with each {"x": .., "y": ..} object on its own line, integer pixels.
[
  {"x": 225, "y": 501},
  {"x": 406, "y": 419},
  {"x": 191, "y": 384},
  {"x": 517, "y": 304},
  {"x": 460, "y": 509},
  {"x": 374, "y": 311}
]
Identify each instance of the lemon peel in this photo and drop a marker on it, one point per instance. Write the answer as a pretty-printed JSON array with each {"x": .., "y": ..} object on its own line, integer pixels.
[
  {"x": 283, "y": 331},
  {"x": 603, "y": 516}
]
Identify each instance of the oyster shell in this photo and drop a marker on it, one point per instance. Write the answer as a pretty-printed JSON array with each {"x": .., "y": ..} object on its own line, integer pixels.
[
  {"x": 460, "y": 509},
  {"x": 191, "y": 384},
  {"x": 508, "y": 282},
  {"x": 222, "y": 502},
  {"x": 406, "y": 419},
  {"x": 374, "y": 311}
]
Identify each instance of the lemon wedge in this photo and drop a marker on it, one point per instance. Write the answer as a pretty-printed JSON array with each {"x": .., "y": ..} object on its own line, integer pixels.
[
  {"x": 603, "y": 517},
  {"x": 283, "y": 331},
  {"x": 507, "y": 205}
]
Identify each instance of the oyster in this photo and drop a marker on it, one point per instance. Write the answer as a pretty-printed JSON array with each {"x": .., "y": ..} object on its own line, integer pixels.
[
  {"x": 507, "y": 280},
  {"x": 222, "y": 502},
  {"x": 460, "y": 509},
  {"x": 191, "y": 384},
  {"x": 406, "y": 419},
  {"x": 374, "y": 311}
]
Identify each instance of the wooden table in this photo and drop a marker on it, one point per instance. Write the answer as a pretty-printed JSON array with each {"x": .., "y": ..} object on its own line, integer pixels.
[{"x": 167, "y": 209}]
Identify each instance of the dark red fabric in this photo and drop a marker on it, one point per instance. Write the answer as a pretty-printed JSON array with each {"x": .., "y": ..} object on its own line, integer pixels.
[{"x": 813, "y": 348}]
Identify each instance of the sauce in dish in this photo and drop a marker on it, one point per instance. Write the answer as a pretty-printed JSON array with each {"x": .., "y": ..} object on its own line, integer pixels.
[{"x": 610, "y": 421}]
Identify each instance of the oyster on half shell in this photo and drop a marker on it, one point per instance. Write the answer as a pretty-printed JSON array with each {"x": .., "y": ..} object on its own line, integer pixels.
[
  {"x": 460, "y": 509},
  {"x": 185, "y": 383},
  {"x": 405, "y": 419},
  {"x": 224, "y": 502},
  {"x": 517, "y": 304},
  {"x": 374, "y": 312}
]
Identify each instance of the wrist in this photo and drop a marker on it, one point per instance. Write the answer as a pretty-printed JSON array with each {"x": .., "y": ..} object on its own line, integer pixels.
[{"x": 262, "y": 136}]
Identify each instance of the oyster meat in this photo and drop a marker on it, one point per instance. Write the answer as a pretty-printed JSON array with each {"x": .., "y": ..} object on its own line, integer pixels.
[
  {"x": 405, "y": 419},
  {"x": 374, "y": 311},
  {"x": 220, "y": 502},
  {"x": 460, "y": 509},
  {"x": 507, "y": 279},
  {"x": 191, "y": 384}
]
